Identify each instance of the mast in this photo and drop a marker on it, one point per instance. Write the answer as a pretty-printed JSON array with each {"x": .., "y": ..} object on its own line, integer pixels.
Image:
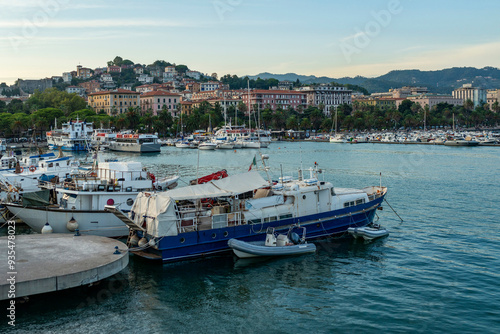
[{"x": 335, "y": 121}]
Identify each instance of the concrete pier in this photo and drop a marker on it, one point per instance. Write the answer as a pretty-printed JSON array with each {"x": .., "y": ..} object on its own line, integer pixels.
[{"x": 52, "y": 262}]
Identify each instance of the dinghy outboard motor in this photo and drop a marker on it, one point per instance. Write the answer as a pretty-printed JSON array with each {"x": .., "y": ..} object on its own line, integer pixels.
[{"x": 294, "y": 237}]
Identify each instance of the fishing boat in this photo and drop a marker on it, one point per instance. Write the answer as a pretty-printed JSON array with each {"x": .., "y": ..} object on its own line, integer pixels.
[
  {"x": 199, "y": 220},
  {"x": 73, "y": 136},
  {"x": 82, "y": 198},
  {"x": 135, "y": 143},
  {"x": 369, "y": 232},
  {"x": 274, "y": 245}
]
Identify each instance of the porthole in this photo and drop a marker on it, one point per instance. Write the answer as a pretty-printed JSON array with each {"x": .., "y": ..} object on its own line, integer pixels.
[
  {"x": 304, "y": 197},
  {"x": 130, "y": 201},
  {"x": 183, "y": 240},
  {"x": 317, "y": 225},
  {"x": 226, "y": 234},
  {"x": 214, "y": 235}
]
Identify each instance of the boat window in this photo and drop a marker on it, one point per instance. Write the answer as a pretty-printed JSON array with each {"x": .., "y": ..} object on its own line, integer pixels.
[
  {"x": 346, "y": 204},
  {"x": 51, "y": 165},
  {"x": 270, "y": 219},
  {"x": 128, "y": 189},
  {"x": 109, "y": 188},
  {"x": 117, "y": 188},
  {"x": 101, "y": 187},
  {"x": 360, "y": 201},
  {"x": 286, "y": 216},
  {"x": 254, "y": 221},
  {"x": 130, "y": 201}
]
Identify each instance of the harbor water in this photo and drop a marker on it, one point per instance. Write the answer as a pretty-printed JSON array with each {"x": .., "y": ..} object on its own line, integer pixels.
[{"x": 438, "y": 271}]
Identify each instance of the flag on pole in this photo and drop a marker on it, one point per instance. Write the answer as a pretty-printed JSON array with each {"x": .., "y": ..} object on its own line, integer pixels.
[{"x": 254, "y": 163}]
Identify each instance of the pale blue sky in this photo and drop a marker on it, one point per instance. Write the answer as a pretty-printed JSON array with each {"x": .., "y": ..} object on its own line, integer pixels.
[{"x": 40, "y": 38}]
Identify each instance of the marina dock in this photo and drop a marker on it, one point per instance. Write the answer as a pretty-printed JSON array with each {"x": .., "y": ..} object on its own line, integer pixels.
[{"x": 52, "y": 262}]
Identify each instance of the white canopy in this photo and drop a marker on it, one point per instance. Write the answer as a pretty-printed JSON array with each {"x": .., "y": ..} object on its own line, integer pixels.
[
  {"x": 229, "y": 186},
  {"x": 158, "y": 209}
]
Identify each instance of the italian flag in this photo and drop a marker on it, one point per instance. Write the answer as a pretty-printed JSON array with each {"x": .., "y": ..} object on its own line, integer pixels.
[{"x": 254, "y": 163}]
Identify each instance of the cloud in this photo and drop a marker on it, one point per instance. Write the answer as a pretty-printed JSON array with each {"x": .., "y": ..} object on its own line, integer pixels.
[{"x": 111, "y": 23}]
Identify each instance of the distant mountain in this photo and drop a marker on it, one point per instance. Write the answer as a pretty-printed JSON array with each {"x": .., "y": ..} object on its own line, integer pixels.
[{"x": 440, "y": 81}]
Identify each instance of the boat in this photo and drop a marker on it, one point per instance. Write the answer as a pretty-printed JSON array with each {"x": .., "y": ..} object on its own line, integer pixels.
[
  {"x": 460, "y": 142},
  {"x": 73, "y": 136},
  {"x": 206, "y": 145},
  {"x": 337, "y": 137},
  {"x": 102, "y": 138},
  {"x": 82, "y": 198},
  {"x": 372, "y": 231},
  {"x": 169, "y": 182},
  {"x": 199, "y": 220},
  {"x": 3, "y": 144},
  {"x": 135, "y": 143},
  {"x": 274, "y": 245}
]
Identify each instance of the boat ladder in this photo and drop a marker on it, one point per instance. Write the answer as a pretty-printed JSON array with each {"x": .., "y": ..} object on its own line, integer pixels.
[{"x": 120, "y": 215}]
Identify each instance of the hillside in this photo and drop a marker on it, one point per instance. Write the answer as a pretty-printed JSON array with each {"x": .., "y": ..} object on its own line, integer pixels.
[{"x": 440, "y": 81}]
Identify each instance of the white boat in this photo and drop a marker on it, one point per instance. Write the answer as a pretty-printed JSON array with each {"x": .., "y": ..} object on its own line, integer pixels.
[
  {"x": 274, "y": 245},
  {"x": 207, "y": 146},
  {"x": 136, "y": 143},
  {"x": 369, "y": 232},
  {"x": 338, "y": 139},
  {"x": 73, "y": 136},
  {"x": 169, "y": 182},
  {"x": 83, "y": 198},
  {"x": 185, "y": 144},
  {"x": 225, "y": 145}
]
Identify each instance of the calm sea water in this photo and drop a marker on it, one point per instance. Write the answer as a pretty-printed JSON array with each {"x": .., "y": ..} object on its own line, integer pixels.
[{"x": 438, "y": 271}]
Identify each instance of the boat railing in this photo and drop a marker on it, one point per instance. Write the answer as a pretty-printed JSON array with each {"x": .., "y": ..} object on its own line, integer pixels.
[{"x": 187, "y": 224}]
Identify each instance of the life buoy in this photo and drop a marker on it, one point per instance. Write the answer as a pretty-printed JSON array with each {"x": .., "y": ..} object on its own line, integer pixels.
[
  {"x": 21, "y": 169},
  {"x": 32, "y": 168},
  {"x": 93, "y": 174}
]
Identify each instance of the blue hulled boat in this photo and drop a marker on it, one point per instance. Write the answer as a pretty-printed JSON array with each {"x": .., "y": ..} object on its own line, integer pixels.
[{"x": 199, "y": 220}]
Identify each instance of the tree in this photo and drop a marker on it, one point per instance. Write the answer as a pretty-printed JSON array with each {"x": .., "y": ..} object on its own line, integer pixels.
[{"x": 181, "y": 68}]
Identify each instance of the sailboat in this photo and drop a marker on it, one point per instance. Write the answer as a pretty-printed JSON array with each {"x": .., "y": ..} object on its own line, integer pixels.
[
  {"x": 221, "y": 139},
  {"x": 337, "y": 138}
]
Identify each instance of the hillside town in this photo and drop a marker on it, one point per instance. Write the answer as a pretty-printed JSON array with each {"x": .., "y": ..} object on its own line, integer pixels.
[{"x": 123, "y": 87}]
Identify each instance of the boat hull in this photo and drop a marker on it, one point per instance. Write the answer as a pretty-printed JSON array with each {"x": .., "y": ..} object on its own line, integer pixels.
[
  {"x": 367, "y": 233},
  {"x": 136, "y": 148},
  {"x": 214, "y": 241},
  {"x": 100, "y": 223}
]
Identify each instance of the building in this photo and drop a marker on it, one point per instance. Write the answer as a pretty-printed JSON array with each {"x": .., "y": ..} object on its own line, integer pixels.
[
  {"x": 147, "y": 88},
  {"x": 210, "y": 85},
  {"x": 75, "y": 89},
  {"x": 106, "y": 77},
  {"x": 380, "y": 102},
  {"x": 156, "y": 101},
  {"x": 155, "y": 72},
  {"x": 83, "y": 72},
  {"x": 492, "y": 96},
  {"x": 432, "y": 100},
  {"x": 90, "y": 86},
  {"x": 329, "y": 96},
  {"x": 274, "y": 98},
  {"x": 194, "y": 74},
  {"x": 29, "y": 86},
  {"x": 138, "y": 70},
  {"x": 169, "y": 74},
  {"x": 186, "y": 107},
  {"x": 100, "y": 70},
  {"x": 113, "y": 102},
  {"x": 467, "y": 92},
  {"x": 114, "y": 69},
  {"x": 67, "y": 77},
  {"x": 144, "y": 78},
  {"x": 285, "y": 85}
]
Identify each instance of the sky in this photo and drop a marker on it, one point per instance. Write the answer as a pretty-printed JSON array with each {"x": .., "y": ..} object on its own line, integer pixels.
[{"x": 43, "y": 38}]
